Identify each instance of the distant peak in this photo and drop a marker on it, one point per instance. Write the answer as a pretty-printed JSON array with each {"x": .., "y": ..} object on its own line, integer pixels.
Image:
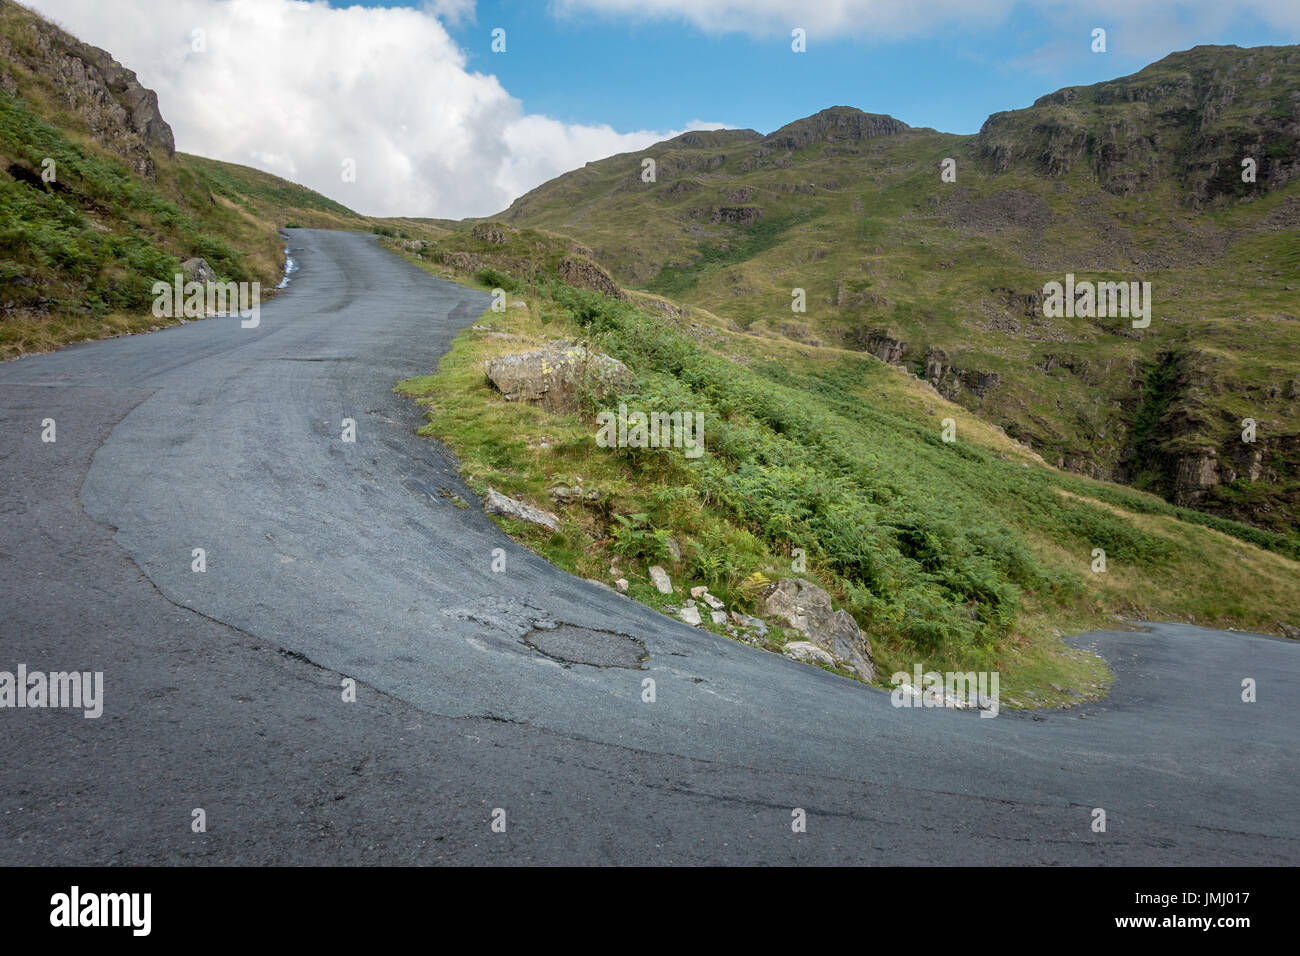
[
  {"x": 837, "y": 124},
  {"x": 714, "y": 137}
]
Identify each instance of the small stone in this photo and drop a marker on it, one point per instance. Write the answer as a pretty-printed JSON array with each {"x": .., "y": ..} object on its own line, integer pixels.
[
  {"x": 659, "y": 577},
  {"x": 621, "y": 584},
  {"x": 691, "y": 615},
  {"x": 744, "y": 620},
  {"x": 713, "y": 602},
  {"x": 698, "y": 591},
  {"x": 719, "y": 617}
]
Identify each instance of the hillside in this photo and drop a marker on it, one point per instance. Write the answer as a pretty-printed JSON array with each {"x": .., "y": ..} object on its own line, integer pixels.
[
  {"x": 96, "y": 205},
  {"x": 964, "y": 554},
  {"x": 1136, "y": 179}
]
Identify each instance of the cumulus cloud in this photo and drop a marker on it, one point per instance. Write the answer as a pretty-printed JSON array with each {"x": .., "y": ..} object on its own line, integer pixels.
[{"x": 300, "y": 88}]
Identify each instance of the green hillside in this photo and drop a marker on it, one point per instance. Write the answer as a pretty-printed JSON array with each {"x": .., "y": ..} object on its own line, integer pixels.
[
  {"x": 964, "y": 554},
  {"x": 1137, "y": 179}
]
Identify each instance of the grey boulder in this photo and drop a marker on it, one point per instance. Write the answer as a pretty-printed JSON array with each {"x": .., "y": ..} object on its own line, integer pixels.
[
  {"x": 807, "y": 608},
  {"x": 498, "y": 504}
]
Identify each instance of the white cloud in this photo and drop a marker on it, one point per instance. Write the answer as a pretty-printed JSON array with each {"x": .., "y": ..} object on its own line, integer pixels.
[
  {"x": 296, "y": 88},
  {"x": 897, "y": 19}
]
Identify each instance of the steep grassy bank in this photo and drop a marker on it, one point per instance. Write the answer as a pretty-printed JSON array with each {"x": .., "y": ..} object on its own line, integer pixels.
[{"x": 969, "y": 554}]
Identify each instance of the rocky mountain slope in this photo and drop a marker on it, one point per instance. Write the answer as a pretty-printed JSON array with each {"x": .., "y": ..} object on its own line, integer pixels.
[{"x": 1136, "y": 179}]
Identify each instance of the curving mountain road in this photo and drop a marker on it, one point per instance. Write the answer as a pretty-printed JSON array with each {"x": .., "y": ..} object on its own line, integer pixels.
[{"x": 327, "y": 559}]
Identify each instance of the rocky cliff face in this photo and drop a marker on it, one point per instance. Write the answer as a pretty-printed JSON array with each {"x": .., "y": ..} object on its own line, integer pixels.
[
  {"x": 118, "y": 112},
  {"x": 1189, "y": 119},
  {"x": 1184, "y": 444}
]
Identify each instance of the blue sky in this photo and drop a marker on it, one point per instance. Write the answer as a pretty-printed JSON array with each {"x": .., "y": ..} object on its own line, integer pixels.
[
  {"x": 411, "y": 96},
  {"x": 588, "y": 67}
]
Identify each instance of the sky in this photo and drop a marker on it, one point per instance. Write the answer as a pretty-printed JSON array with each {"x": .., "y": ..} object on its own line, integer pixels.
[{"x": 410, "y": 97}]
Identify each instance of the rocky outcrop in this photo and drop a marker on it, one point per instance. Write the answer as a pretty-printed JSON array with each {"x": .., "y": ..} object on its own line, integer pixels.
[
  {"x": 879, "y": 343},
  {"x": 555, "y": 378},
  {"x": 727, "y": 215},
  {"x": 1190, "y": 118},
  {"x": 582, "y": 273},
  {"x": 465, "y": 261},
  {"x": 808, "y": 609},
  {"x": 950, "y": 381},
  {"x": 1194, "y": 475},
  {"x": 490, "y": 232},
  {"x": 735, "y": 215},
  {"x": 120, "y": 114},
  {"x": 498, "y": 504}
]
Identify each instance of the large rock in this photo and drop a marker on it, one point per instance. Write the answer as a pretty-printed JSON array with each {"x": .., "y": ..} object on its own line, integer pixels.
[
  {"x": 808, "y": 652},
  {"x": 582, "y": 273},
  {"x": 498, "y": 504},
  {"x": 554, "y": 377},
  {"x": 198, "y": 270},
  {"x": 807, "y": 608}
]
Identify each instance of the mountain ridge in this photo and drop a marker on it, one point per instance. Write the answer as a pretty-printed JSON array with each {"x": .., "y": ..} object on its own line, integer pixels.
[{"x": 1137, "y": 174}]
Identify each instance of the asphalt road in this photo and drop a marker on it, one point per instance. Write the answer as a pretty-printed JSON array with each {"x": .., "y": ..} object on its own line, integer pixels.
[{"x": 328, "y": 560}]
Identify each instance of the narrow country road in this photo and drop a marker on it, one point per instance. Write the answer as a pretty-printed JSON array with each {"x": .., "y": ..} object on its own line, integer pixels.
[{"x": 328, "y": 560}]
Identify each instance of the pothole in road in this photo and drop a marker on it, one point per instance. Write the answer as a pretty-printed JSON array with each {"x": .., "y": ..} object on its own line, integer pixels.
[{"x": 583, "y": 645}]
